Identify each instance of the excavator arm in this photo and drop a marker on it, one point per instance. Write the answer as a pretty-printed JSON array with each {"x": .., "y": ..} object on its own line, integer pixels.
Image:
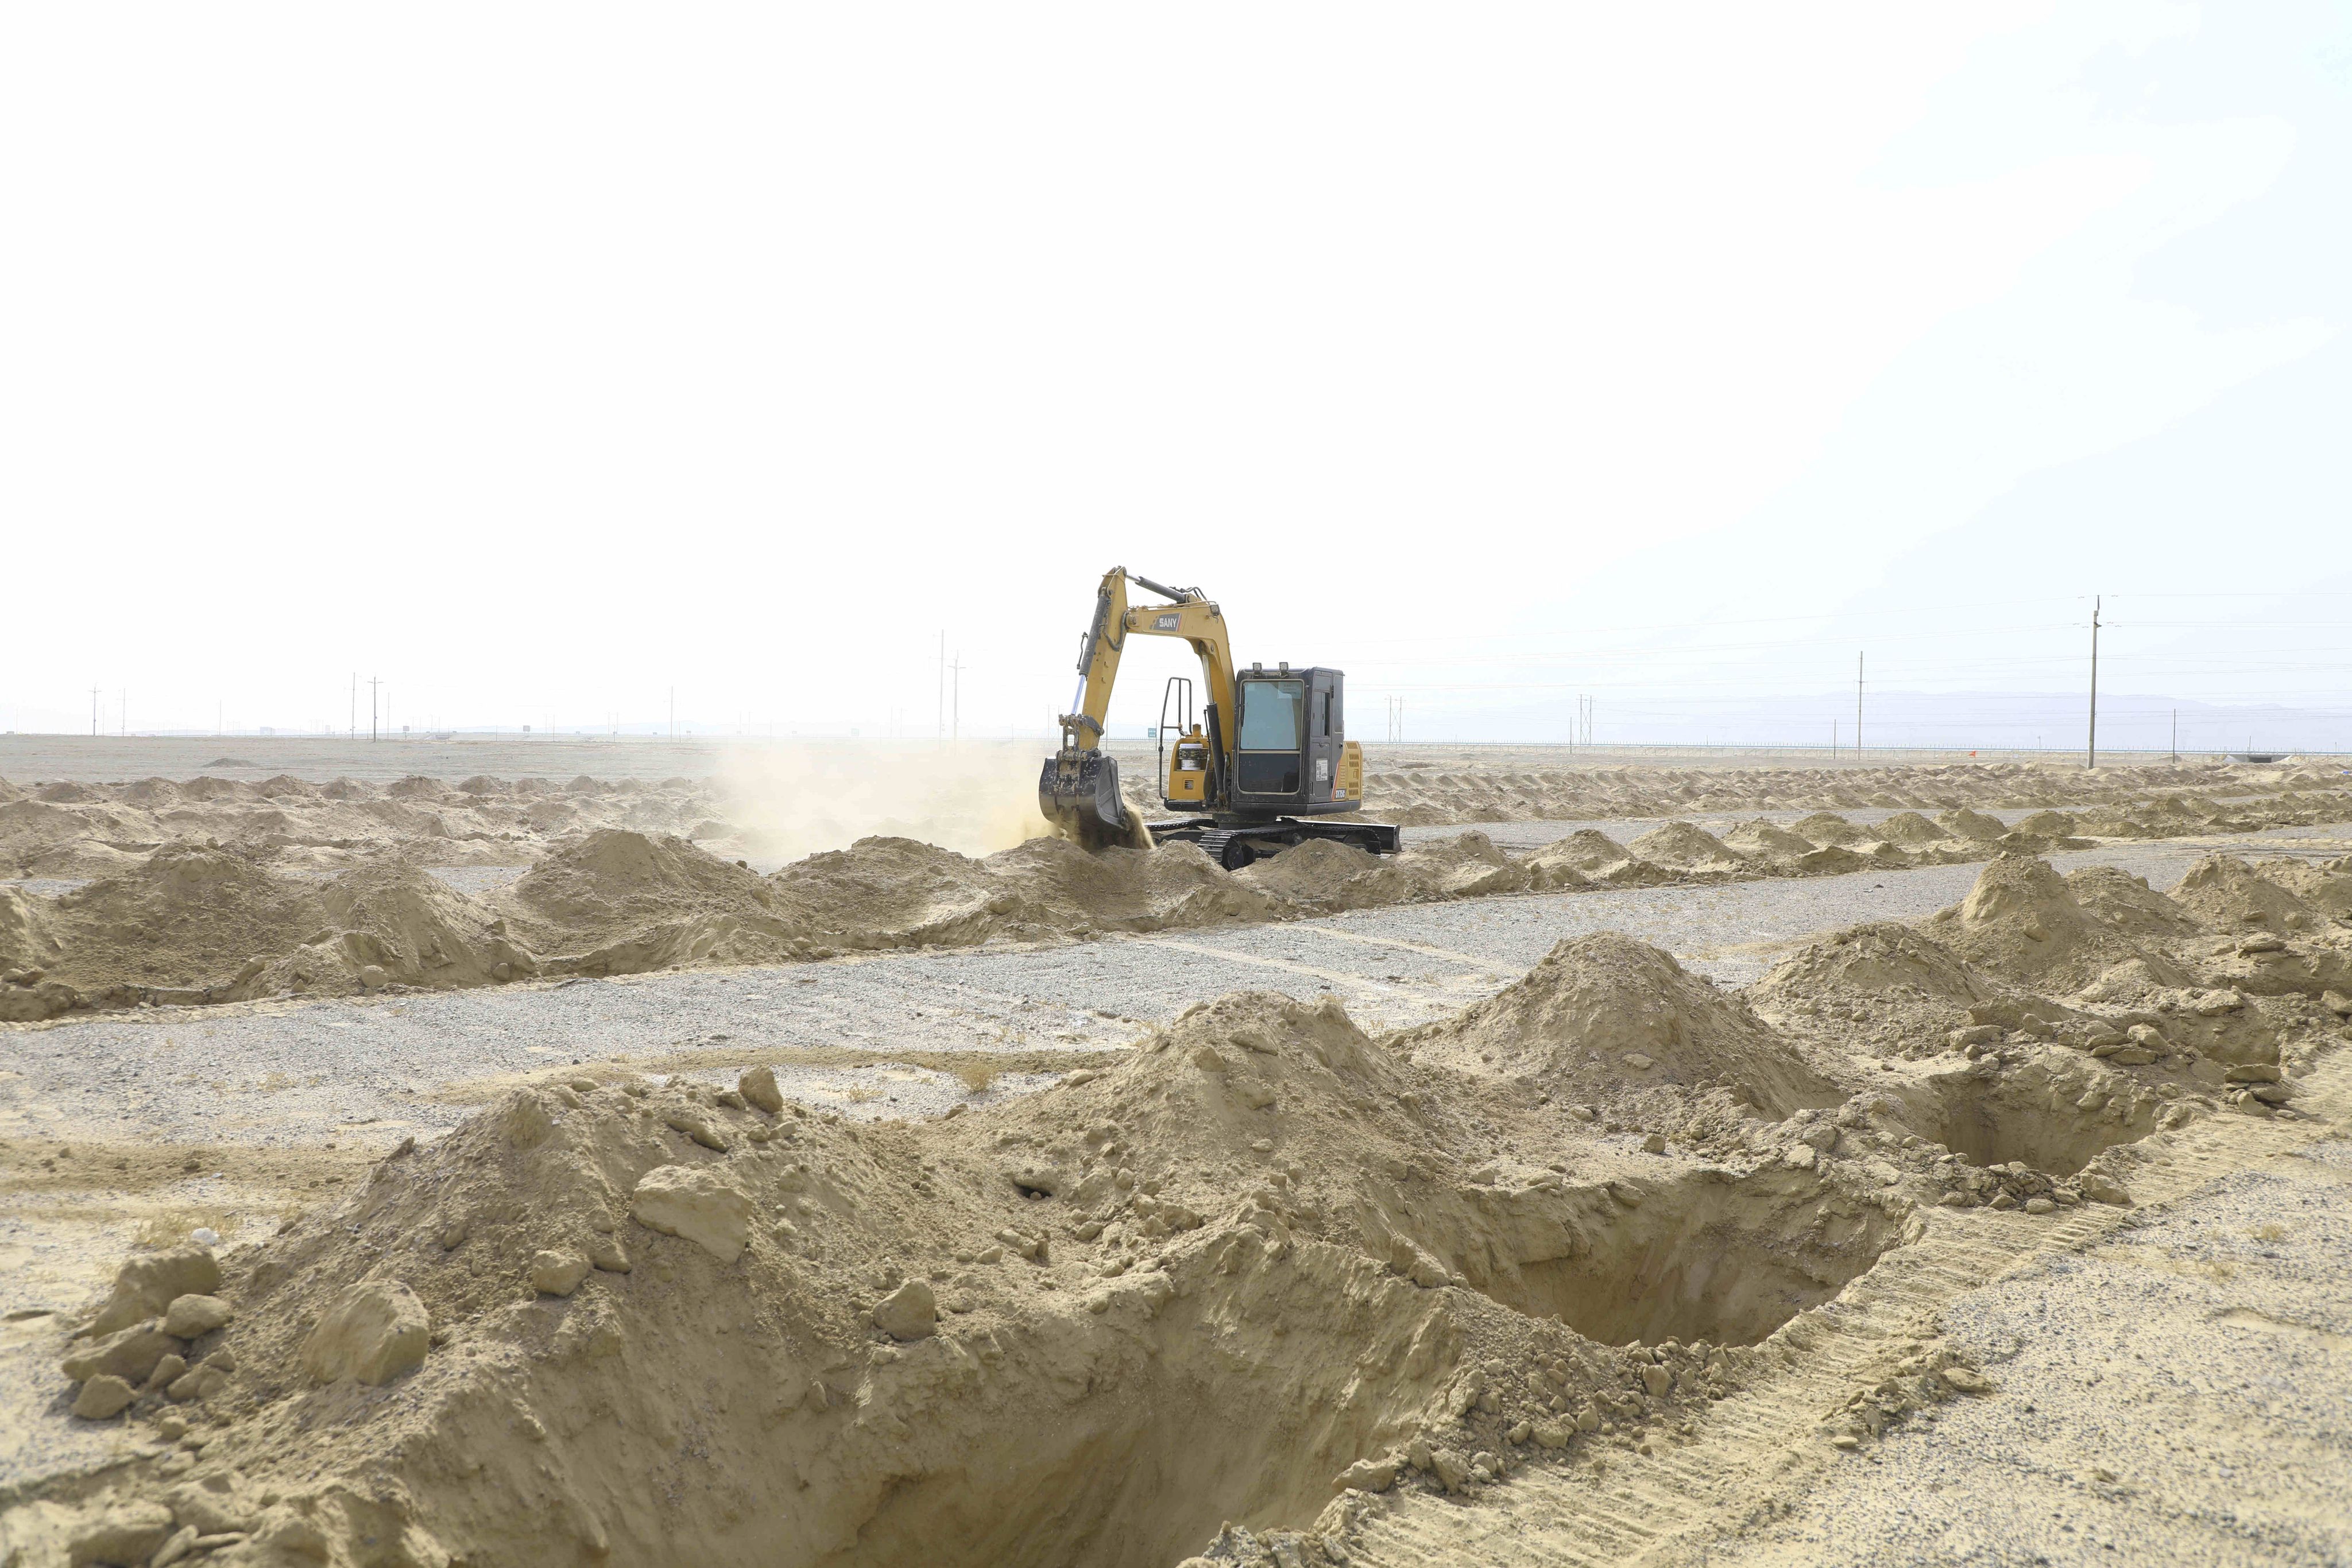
[{"x": 1078, "y": 791}]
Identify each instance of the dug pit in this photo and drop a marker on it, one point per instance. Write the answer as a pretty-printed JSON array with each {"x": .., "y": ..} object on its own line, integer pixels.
[{"x": 1704, "y": 1257}]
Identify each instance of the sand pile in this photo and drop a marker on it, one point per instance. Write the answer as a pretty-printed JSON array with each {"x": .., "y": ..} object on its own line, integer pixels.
[
  {"x": 1593, "y": 856},
  {"x": 396, "y": 925},
  {"x": 189, "y": 917},
  {"x": 1693, "y": 851},
  {"x": 616, "y": 902},
  {"x": 2021, "y": 921},
  {"x": 1605, "y": 1018},
  {"x": 78, "y": 829},
  {"x": 1221, "y": 1281},
  {"x": 1428, "y": 795},
  {"x": 1264, "y": 1270}
]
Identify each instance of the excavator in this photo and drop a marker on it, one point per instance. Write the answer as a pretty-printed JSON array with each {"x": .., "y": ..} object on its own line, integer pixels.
[{"x": 1266, "y": 754}]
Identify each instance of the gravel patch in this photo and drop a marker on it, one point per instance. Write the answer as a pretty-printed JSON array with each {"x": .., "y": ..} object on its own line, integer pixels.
[{"x": 2177, "y": 1396}]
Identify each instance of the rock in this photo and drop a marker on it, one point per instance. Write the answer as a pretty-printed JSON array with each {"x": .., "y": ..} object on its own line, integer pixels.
[
  {"x": 102, "y": 1397},
  {"x": 145, "y": 1285},
  {"x": 2104, "y": 1190},
  {"x": 910, "y": 1311},
  {"x": 192, "y": 1317},
  {"x": 1554, "y": 1434},
  {"x": 1637, "y": 1061},
  {"x": 1655, "y": 1144},
  {"x": 130, "y": 1354},
  {"x": 168, "y": 1371},
  {"x": 2337, "y": 1003},
  {"x": 375, "y": 1331},
  {"x": 557, "y": 1273},
  {"x": 2273, "y": 1094},
  {"x": 1521, "y": 1432},
  {"x": 128, "y": 1533},
  {"x": 1367, "y": 1475},
  {"x": 2131, "y": 1056},
  {"x": 608, "y": 1254},
  {"x": 2253, "y": 1072},
  {"x": 694, "y": 1127},
  {"x": 758, "y": 1087},
  {"x": 1966, "y": 1380},
  {"x": 182, "y": 1541},
  {"x": 2039, "y": 1206},
  {"x": 697, "y": 1205},
  {"x": 1584, "y": 1112},
  {"x": 1450, "y": 1467},
  {"x": 372, "y": 977},
  {"x": 1801, "y": 1158},
  {"x": 1657, "y": 1379},
  {"x": 202, "y": 1383}
]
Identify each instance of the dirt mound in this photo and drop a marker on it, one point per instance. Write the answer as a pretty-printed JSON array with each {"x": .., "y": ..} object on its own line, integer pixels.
[
  {"x": 1315, "y": 876},
  {"x": 1766, "y": 841},
  {"x": 190, "y": 918},
  {"x": 1692, "y": 850},
  {"x": 1882, "y": 956},
  {"x": 1828, "y": 827},
  {"x": 2125, "y": 904},
  {"x": 1087, "y": 1326},
  {"x": 1060, "y": 889},
  {"x": 893, "y": 892},
  {"x": 396, "y": 925},
  {"x": 1594, "y": 855},
  {"x": 617, "y": 902},
  {"x": 1606, "y": 1016},
  {"x": 2022, "y": 922},
  {"x": 1911, "y": 829},
  {"x": 2225, "y": 893},
  {"x": 1967, "y": 824},
  {"x": 2327, "y": 888}
]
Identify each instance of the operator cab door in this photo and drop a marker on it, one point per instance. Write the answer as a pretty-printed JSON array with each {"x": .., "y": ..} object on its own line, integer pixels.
[
  {"x": 1326, "y": 732},
  {"x": 1290, "y": 738},
  {"x": 1270, "y": 740}
]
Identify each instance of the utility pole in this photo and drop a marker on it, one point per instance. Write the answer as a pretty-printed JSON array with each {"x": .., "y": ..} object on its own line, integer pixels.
[
  {"x": 955, "y": 710},
  {"x": 941, "y": 731},
  {"x": 122, "y": 714},
  {"x": 2176, "y": 738},
  {"x": 93, "y": 713},
  {"x": 1857, "y": 707},
  {"x": 2093, "y": 759},
  {"x": 355, "y": 704},
  {"x": 373, "y": 683},
  {"x": 673, "y": 713}
]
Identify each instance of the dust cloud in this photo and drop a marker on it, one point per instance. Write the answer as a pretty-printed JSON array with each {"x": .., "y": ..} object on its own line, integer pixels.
[{"x": 976, "y": 797}]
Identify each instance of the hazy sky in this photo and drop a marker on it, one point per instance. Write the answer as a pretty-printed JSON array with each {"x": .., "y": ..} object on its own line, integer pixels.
[{"x": 540, "y": 360}]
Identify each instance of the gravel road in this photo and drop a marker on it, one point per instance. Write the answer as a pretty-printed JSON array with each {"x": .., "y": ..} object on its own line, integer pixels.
[{"x": 374, "y": 1069}]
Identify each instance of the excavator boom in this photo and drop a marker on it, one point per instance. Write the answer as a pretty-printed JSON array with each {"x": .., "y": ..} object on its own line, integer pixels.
[{"x": 1078, "y": 791}]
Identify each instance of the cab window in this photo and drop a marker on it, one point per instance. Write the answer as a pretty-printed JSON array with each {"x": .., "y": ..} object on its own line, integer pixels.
[{"x": 1273, "y": 715}]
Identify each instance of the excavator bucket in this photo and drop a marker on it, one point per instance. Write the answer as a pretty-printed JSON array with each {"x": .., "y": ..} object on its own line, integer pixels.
[{"x": 1079, "y": 795}]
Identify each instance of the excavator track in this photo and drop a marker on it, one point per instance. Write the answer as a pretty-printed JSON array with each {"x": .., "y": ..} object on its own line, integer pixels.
[{"x": 1233, "y": 847}]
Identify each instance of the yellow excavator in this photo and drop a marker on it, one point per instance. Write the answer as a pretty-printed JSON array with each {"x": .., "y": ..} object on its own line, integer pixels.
[{"x": 1266, "y": 751}]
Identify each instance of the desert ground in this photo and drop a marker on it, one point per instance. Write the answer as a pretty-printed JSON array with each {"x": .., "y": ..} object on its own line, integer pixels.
[{"x": 490, "y": 1151}]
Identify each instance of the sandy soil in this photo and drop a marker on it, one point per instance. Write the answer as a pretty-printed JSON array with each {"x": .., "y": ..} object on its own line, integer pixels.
[
  {"x": 732, "y": 1153},
  {"x": 1435, "y": 1257}
]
